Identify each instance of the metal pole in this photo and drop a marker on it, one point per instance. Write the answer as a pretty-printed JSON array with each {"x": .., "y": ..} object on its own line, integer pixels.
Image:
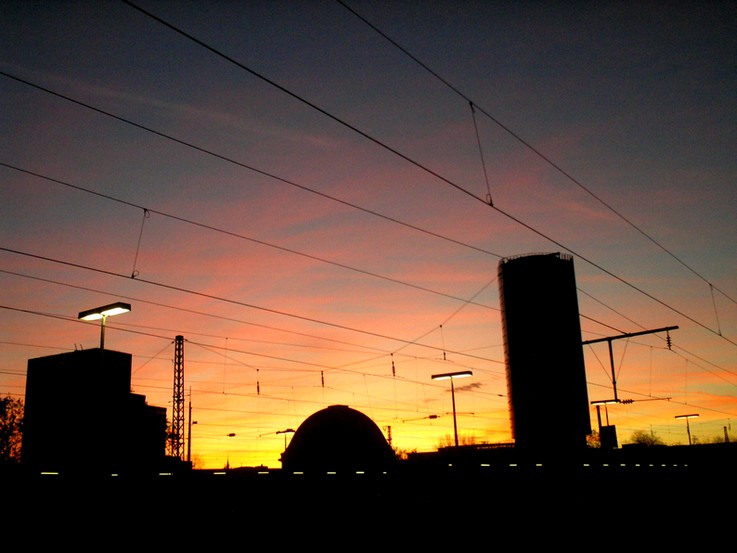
[
  {"x": 453, "y": 396},
  {"x": 628, "y": 335},
  {"x": 688, "y": 429},
  {"x": 611, "y": 362},
  {"x": 189, "y": 429},
  {"x": 102, "y": 332}
]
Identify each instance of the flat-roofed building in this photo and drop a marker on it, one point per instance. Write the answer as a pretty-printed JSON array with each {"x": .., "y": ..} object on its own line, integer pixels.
[{"x": 80, "y": 415}]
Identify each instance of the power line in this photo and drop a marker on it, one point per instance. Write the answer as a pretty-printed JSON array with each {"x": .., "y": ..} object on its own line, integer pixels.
[
  {"x": 75, "y": 320},
  {"x": 496, "y": 208},
  {"x": 306, "y": 102},
  {"x": 268, "y": 327},
  {"x": 148, "y": 211},
  {"x": 423, "y": 167},
  {"x": 383, "y": 353},
  {"x": 209, "y": 347},
  {"x": 322, "y": 111},
  {"x": 193, "y": 311},
  {"x": 244, "y": 166},
  {"x": 227, "y": 300},
  {"x": 532, "y": 148},
  {"x": 620, "y": 279}
]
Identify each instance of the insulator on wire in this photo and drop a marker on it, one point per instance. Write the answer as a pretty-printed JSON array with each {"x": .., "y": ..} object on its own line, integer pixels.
[{"x": 668, "y": 341}]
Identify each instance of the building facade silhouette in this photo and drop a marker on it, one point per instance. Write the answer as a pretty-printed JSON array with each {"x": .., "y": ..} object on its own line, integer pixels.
[
  {"x": 80, "y": 416},
  {"x": 546, "y": 376}
]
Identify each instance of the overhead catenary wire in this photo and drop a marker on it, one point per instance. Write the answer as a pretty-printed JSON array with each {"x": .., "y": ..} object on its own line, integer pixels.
[
  {"x": 192, "y": 311},
  {"x": 341, "y": 367},
  {"x": 304, "y": 101},
  {"x": 481, "y": 154},
  {"x": 381, "y": 352},
  {"x": 532, "y": 148},
  {"x": 146, "y": 215},
  {"x": 223, "y": 299},
  {"x": 496, "y": 208},
  {"x": 312, "y": 367},
  {"x": 616, "y": 277},
  {"x": 434, "y": 173},
  {"x": 242, "y": 165},
  {"x": 148, "y": 211}
]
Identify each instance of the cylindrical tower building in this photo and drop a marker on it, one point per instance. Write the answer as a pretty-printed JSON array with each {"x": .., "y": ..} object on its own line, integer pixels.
[{"x": 546, "y": 376}]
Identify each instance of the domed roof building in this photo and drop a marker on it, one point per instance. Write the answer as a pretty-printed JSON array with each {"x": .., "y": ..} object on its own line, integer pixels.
[{"x": 338, "y": 438}]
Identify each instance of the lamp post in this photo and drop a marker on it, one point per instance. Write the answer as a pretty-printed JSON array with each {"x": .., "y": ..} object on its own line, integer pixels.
[
  {"x": 608, "y": 439},
  {"x": 688, "y": 426},
  {"x": 285, "y": 432},
  {"x": 598, "y": 405},
  {"x": 189, "y": 432},
  {"x": 451, "y": 376},
  {"x": 102, "y": 313}
]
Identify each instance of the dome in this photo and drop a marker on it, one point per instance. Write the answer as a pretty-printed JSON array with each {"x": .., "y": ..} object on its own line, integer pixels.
[{"x": 337, "y": 438}]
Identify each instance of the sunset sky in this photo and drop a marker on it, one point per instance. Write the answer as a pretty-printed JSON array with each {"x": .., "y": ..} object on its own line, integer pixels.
[{"x": 317, "y": 194}]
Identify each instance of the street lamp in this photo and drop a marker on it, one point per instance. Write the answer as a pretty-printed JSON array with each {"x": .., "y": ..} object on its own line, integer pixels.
[
  {"x": 598, "y": 405},
  {"x": 688, "y": 427},
  {"x": 451, "y": 376},
  {"x": 285, "y": 432},
  {"x": 608, "y": 438},
  {"x": 102, "y": 313}
]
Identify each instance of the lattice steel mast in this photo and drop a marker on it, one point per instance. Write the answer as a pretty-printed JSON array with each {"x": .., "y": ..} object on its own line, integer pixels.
[{"x": 176, "y": 436}]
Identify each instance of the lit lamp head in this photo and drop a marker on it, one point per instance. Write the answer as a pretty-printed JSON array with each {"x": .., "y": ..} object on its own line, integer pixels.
[
  {"x": 606, "y": 401},
  {"x": 105, "y": 311},
  {"x": 446, "y": 376},
  {"x": 102, "y": 313},
  {"x": 451, "y": 376},
  {"x": 688, "y": 426}
]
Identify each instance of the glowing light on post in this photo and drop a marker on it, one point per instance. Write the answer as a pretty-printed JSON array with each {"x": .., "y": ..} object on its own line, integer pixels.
[
  {"x": 451, "y": 377},
  {"x": 102, "y": 313},
  {"x": 688, "y": 426}
]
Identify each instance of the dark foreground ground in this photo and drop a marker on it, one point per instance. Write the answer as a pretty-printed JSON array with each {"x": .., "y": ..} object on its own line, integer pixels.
[{"x": 630, "y": 499}]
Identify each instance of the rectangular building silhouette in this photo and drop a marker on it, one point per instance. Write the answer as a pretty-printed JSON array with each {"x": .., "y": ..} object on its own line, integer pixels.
[{"x": 81, "y": 416}]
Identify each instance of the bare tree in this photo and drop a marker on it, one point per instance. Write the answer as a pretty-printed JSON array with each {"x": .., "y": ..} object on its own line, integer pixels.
[
  {"x": 445, "y": 441},
  {"x": 463, "y": 439},
  {"x": 645, "y": 438}
]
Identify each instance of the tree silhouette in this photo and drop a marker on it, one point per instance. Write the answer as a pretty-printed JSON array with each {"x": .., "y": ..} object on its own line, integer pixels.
[
  {"x": 449, "y": 441},
  {"x": 11, "y": 429},
  {"x": 642, "y": 437},
  {"x": 403, "y": 454}
]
